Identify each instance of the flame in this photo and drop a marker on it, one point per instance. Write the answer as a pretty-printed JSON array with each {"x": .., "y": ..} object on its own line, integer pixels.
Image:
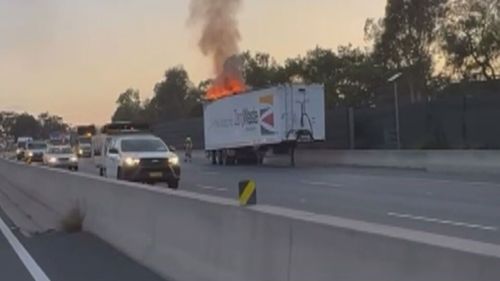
[{"x": 225, "y": 87}]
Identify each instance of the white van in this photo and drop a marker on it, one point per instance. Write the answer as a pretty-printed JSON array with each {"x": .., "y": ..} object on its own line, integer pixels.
[{"x": 22, "y": 143}]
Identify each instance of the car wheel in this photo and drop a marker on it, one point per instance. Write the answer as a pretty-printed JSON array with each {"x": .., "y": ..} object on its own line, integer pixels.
[
  {"x": 173, "y": 184},
  {"x": 101, "y": 172},
  {"x": 119, "y": 173},
  {"x": 75, "y": 169}
]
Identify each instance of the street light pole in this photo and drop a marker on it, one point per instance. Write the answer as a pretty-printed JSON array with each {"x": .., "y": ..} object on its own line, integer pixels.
[
  {"x": 394, "y": 79},
  {"x": 396, "y": 110}
]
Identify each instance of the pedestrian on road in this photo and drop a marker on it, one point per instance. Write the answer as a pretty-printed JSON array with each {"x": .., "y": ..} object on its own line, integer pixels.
[{"x": 188, "y": 149}]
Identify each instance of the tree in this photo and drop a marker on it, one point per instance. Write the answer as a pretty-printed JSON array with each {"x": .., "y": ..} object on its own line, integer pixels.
[
  {"x": 404, "y": 39},
  {"x": 25, "y": 125},
  {"x": 261, "y": 70},
  {"x": 322, "y": 66},
  {"x": 350, "y": 76},
  {"x": 129, "y": 107},
  {"x": 7, "y": 121},
  {"x": 171, "y": 94},
  {"x": 358, "y": 77},
  {"x": 51, "y": 123},
  {"x": 470, "y": 38}
]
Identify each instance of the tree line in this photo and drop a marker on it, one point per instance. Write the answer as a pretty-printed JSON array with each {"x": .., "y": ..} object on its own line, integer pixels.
[
  {"x": 24, "y": 124},
  {"x": 431, "y": 42}
]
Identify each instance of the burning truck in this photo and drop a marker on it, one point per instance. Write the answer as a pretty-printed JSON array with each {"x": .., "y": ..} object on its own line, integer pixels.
[{"x": 243, "y": 128}]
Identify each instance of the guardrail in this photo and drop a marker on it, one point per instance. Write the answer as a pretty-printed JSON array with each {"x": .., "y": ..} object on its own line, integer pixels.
[{"x": 186, "y": 236}]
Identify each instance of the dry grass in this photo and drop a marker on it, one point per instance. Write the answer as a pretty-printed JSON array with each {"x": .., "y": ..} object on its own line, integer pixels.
[{"x": 73, "y": 221}]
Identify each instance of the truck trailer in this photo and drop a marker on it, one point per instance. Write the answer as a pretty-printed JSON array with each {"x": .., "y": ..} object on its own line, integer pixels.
[{"x": 243, "y": 128}]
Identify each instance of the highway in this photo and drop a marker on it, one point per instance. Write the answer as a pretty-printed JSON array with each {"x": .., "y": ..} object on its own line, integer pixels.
[{"x": 463, "y": 206}]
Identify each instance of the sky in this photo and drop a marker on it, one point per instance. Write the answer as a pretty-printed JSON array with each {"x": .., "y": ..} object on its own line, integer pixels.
[{"x": 73, "y": 58}]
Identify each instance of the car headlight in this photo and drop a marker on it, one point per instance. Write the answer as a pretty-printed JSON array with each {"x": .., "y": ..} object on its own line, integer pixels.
[
  {"x": 30, "y": 154},
  {"x": 73, "y": 159},
  {"x": 173, "y": 160},
  {"x": 129, "y": 161},
  {"x": 52, "y": 160},
  {"x": 18, "y": 151},
  {"x": 80, "y": 151}
]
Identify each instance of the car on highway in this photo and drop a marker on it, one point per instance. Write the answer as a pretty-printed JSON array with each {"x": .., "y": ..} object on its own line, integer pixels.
[
  {"x": 35, "y": 151},
  {"x": 61, "y": 157},
  {"x": 22, "y": 143},
  {"x": 141, "y": 158}
]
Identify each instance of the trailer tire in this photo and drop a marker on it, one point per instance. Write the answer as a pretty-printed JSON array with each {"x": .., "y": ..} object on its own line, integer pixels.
[
  {"x": 173, "y": 184},
  {"x": 220, "y": 157},
  {"x": 119, "y": 175},
  {"x": 213, "y": 156}
]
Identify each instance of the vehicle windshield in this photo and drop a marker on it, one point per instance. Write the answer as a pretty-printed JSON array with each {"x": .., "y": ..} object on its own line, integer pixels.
[
  {"x": 21, "y": 144},
  {"x": 60, "y": 150},
  {"x": 84, "y": 140},
  {"x": 143, "y": 145},
  {"x": 37, "y": 145}
]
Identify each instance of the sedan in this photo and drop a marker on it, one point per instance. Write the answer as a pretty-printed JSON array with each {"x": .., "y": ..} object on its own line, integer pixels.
[{"x": 61, "y": 157}]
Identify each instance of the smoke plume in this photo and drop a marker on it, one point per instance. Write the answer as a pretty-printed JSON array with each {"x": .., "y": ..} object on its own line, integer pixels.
[{"x": 219, "y": 40}]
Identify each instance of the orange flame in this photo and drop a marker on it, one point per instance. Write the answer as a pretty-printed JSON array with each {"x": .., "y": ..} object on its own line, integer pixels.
[{"x": 228, "y": 87}]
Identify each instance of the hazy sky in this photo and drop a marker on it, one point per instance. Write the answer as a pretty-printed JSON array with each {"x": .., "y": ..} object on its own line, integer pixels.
[{"x": 73, "y": 57}]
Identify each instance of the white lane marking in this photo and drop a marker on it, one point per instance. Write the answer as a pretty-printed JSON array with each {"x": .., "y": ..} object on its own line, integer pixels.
[
  {"x": 213, "y": 188},
  {"x": 30, "y": 264},
  {"x": 208, "y": 173},
  {"x": 441, "y": 221},
  {"x": 320, "y": 183},
  {"x": 431, "y": 180}
]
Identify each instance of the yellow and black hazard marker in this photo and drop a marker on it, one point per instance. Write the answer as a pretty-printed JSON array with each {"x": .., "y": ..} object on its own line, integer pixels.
[{"x": 248, "y": 193}]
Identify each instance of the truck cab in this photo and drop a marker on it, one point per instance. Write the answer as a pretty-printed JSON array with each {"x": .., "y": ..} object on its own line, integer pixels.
[
  {"x": 82, "y": 140},
  {"x": 84, "y": 147}
]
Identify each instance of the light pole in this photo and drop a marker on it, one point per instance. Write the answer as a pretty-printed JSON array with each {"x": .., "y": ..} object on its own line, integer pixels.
[{"x": 394, "y": 80}]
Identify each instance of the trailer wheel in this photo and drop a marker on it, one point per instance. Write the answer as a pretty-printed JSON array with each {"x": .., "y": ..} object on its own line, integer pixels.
[
  {"x": 119, "y": 174},
  {"x": 220, "y": 157},
  {"x": 213, "y": 157}
]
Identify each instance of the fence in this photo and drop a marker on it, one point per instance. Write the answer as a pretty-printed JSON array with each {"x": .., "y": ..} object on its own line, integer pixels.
[{"x": 462, "y": 116}]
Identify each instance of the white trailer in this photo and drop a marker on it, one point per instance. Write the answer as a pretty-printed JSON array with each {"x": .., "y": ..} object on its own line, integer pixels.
[{"x": 243, "y": 127}]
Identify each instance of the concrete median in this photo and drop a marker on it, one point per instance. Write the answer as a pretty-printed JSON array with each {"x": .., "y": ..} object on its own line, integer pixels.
[
  {"x": 186, "y": 236},
  {"x": 450, "y": 161}
]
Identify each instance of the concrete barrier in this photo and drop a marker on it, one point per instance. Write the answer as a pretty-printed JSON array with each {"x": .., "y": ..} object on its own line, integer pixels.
[
  {"x": 450, "y": 161},
  {"x": 453, "y": 161},
  {"x": 186, "y": 236}
]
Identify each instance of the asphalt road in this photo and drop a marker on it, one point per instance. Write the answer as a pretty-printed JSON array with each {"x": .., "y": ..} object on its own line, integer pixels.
[{"x": 463, "y": 206}]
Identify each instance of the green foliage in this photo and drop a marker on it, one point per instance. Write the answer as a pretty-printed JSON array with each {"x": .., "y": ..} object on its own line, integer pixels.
[
  {"x": 129, "y": 107},
  {"x": 169, "y": 101},
  {"x": 19, "y": 125},
  {"x": 51, "y": 123},
  {"x": 405, "y": 38},
  {"x": 470, "y": 38}
]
